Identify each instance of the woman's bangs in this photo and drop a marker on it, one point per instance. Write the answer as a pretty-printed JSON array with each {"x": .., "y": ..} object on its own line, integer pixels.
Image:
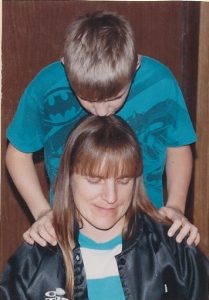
[{"x": 108, "y": 164}]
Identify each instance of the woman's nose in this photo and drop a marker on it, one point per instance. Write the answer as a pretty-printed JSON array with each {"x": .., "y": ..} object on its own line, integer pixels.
[{"x": 110, "y": 191}]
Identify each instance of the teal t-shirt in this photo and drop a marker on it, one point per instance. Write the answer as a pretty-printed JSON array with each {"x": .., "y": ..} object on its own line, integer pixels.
[{"x": 155, "y": 109}]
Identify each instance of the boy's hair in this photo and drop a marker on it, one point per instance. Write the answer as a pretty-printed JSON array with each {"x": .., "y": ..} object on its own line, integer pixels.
[{"x": 100, "y": 55}]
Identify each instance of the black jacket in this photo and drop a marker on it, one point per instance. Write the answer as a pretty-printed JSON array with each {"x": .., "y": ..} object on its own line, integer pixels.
[{"x": 152, "y": 266}]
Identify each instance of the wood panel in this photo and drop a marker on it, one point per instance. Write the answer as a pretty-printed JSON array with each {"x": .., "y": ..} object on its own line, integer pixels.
[
  {"x": 201, "y": 183},
  {"x": 33, "y": 35}
]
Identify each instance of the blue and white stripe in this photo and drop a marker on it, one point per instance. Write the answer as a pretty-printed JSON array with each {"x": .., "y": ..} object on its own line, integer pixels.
[{"x": 101, "y": 269}]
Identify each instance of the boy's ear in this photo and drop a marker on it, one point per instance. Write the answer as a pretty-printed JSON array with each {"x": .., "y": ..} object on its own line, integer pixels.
[
  {"x": 62, "y": 60},
  {"x": 138, "y": 61}
]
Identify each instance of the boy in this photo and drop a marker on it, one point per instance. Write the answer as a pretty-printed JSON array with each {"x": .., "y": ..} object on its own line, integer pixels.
[{"x": 102, "y": 73}]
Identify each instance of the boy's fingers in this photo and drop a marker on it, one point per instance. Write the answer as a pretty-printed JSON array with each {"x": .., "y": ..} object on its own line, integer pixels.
[
  {"x": 37, "y": 238},
  {"x": 44, "y": 234},
  {"x": 193, "y": 236},
  {"x": 185, "y": 229},
  {"x": 27, "y": 238},
  {"x": 174, "y": 227},
  {"x": 50, "y": 229},
  {"x": 42, "y": 231},
  {"x": 183, "y": 233},
  {"x": 31, "y": 236},
  {"x": 181, "y": 225},
  {"x": 197, "y": 240}
]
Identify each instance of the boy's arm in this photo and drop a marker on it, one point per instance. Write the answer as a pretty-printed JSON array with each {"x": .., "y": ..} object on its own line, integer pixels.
[
  {"x": 22, "y": 170},
  {"x": 178, "y": 172}
]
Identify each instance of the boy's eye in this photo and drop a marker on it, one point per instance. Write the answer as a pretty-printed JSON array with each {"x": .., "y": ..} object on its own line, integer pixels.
[
  {"x": 93, "y": 179},
  {"x": 123, "y": 180}
]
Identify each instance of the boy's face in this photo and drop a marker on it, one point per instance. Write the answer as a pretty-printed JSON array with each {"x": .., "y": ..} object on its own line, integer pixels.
[{"x": 107, "y": 107}]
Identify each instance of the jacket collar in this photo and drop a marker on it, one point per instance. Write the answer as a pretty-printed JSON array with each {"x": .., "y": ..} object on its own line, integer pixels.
[{"x": 135, "y": 238}]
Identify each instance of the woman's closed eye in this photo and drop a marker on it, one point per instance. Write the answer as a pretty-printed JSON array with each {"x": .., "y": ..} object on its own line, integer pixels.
[
  {"x": 123, "y": 180},
  {"x": 93, "y": 180}
]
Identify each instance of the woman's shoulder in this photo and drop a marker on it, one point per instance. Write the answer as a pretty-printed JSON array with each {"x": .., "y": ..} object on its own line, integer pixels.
[
  {"x": 158, "y": 230},
  {"x": 32, "y": 255}
]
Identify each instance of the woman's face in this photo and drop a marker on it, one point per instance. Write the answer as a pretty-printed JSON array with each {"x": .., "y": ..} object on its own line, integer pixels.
[{"x": 102, "y": 204}]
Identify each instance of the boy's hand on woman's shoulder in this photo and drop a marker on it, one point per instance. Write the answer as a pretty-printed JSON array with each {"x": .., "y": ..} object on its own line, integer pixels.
[
  {"x": 42, "y": 231},
  {"x": 181, "y": 225}
]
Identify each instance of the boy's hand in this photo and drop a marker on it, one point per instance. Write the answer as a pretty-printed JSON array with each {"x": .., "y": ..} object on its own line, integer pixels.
[
  {"x": 42, "y": 231},
  {"x": 181, "y": 224}
]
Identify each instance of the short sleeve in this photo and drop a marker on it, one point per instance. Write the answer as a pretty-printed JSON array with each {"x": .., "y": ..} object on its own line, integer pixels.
[
  {"x": 25, "y": 132},
  {"x": 181, "y": 131}
]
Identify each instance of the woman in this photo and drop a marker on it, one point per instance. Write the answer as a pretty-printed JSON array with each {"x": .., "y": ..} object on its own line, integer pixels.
[{"x": 113, "y": 243}]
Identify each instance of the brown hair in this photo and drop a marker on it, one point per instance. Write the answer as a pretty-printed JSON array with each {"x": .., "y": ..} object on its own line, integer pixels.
[
  {"x": 94, "y": 141},
  {"x": 100, "y": 55}
]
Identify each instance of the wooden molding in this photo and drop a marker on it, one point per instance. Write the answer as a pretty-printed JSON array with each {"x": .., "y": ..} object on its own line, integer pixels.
[{"x": 201, "y": 177}]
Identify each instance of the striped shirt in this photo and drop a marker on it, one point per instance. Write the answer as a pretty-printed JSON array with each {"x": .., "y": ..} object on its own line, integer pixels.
[{"x": 103, "y": 281}]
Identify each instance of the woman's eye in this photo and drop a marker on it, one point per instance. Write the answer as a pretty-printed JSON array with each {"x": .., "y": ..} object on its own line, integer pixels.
[
  {"x": 124, "y": 180},
  {"x": 93, "y": 179}
]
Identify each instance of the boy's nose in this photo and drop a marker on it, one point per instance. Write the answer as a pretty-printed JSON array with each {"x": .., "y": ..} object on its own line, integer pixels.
[
  {"x": 101, "y": 109},
  {"x": 110, "y": 191}
]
